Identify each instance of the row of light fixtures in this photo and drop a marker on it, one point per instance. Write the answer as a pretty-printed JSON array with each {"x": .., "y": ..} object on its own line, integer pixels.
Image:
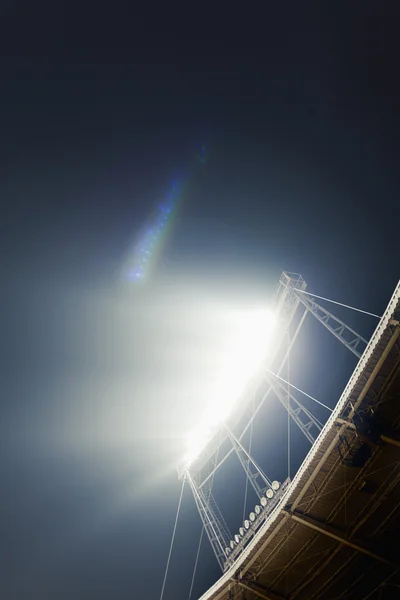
[{"x": 269, "y": 494}]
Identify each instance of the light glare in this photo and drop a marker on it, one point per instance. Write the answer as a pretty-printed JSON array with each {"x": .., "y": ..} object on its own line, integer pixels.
[{"x": 240, "y": 364}]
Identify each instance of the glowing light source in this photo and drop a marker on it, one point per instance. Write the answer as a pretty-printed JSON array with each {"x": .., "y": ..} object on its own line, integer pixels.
[
  {"x": 241, "y": 531},
  {"x": 263, "y": 502},
  {"x": 196, "y": 441},
  {"x": 247, "y": 524},
  {"x": 252, "y": 517},
  {"x": 239, "y": 365},
  {"x": 269, "y": 493},
  {"x": 275, "y": 485},
  {"x": 237, "y": 539},
  {"x": 257, "y": 509}
]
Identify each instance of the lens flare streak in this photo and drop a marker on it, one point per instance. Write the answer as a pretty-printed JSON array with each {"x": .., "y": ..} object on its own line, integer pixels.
[{"x": 152, "y": 236}]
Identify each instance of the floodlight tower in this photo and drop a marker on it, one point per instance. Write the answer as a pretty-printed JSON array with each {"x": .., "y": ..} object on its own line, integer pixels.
[{"x": 291, "y": 304}]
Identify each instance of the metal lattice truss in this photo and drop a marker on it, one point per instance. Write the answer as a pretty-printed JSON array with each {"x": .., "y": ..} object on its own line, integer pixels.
[
  {"x": 352, "y": 340},
  {"x": 304, "y": 419},
  {"x": 257, "y": 478},
  {"x": 289, "y": 300},
  {"x": 213, "y": 521}
]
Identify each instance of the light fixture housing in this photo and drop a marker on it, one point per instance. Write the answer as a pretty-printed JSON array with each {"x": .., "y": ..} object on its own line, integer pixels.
[
  {"x": 269, "y": 493},
  {"x": 275, "y": 485},
  {"x": 252, "y": 517},
  {"x": 263, "y": 502}
]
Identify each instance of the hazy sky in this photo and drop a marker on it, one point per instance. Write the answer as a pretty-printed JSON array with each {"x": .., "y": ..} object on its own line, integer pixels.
[{"x": 100, "y": 108}]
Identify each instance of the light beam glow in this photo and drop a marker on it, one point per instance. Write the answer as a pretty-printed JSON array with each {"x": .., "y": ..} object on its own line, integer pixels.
[{"x": 249, "y": 350}]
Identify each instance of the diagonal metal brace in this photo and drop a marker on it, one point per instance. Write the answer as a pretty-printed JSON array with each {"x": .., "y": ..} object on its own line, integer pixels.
[
  {"x": 304, "y": 419},
  {"x": 345, "y": 334}
]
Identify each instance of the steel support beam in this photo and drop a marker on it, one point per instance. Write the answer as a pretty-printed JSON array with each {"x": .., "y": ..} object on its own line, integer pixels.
[
  {"x": 259, "y": 591},
  {"x": 213, "y": 521},
  {"x": 391, "y": 441},
  {"x": 345, "y": 334},
  {"x": 335, "y": 535},
  {"x": 255, "y": 475},
  {"x": 300, "y": 415},
  {"x": 349, "y": 424}
]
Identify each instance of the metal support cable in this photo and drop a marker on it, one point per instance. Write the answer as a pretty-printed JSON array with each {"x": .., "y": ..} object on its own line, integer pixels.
[
  {"x": 260, "y": 471},
  {"x": 196, "y": 562},
  {"x": 299, "y": 390},
  {"x": 247, "y": 479},
  {"x": 194, "y": 489},
  {"x": 172, "y": 539},
  {"x": 200, "y": 542},
  {"x": 335, "y": 302}
]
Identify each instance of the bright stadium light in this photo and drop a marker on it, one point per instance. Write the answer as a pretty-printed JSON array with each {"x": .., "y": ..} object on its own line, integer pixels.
[
  {"x": 252, "y": 517},
  {"x": 241, "y": 531},
  {"x": 269, "y": 493},
  {"x": 237, "y": 538},
  {"x": 247, "y": 524},
  {"x": 244, "y": 358},
  {"x": 263, "y": 502},
  {"x": 196, "y": 442},
  {"x": 246, "y": 355},
  {"x": 257, "y": 509},
  {"x": 275, "y": 485}
]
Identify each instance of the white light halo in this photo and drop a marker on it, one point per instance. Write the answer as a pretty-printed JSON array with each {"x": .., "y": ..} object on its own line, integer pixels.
[
  {"x": 244, "y": 359},
  {"x": 269, "y": 493},
  {"x": 252, "y": 517},
  {"x": 263, "y": 502},
  {"x": 275, "y": 485}
]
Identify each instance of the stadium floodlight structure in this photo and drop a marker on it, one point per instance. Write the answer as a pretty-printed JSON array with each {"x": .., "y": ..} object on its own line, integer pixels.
[{"x": 252, "y": 374}]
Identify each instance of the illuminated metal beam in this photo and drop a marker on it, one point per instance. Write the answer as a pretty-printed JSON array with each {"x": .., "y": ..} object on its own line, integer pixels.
[
  {"x": 334, "y": 534},
  {"x": 307, "y": 423},
  {"x": 391, "y": 441},
  {"x": 213, "y": 521},
  {"x": 255, "y": 475},
  {"x": 345, "y": 334},
  {"x": 258, "y": 590}
]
